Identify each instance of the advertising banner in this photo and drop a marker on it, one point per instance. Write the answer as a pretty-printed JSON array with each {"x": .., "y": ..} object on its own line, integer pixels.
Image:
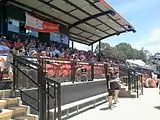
[{"x": 38, "y": 25}]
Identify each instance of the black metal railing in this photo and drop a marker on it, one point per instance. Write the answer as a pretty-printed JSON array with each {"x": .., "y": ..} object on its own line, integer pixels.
[
  {"x": 132, "y": 79},
  {"x": 35, "y": 89},
  {"x": 71, "y": 70},
  {"x": 54, "y": 87}
]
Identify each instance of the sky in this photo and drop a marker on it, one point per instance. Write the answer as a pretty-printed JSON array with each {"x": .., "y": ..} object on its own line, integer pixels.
[{"x": 144, "y": 16}]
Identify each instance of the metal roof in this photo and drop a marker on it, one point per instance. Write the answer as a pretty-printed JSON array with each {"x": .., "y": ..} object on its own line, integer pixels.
[{"x": 89, "y": 21}]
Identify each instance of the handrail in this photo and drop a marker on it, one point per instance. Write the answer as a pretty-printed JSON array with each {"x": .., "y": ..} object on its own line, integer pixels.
[
  {"x": 25, "y": 74},
  {"x": 25, "y": 65},
  {"x": 34, "y": 81},
  {"x": 51, "y": 80},
  {"x": 23, "y": 59},
  {"x": 57, "y": 93},
  {"x": 43, "y": 85},
  {"x": 28, "y": 95},
  {"x": 60, "y": 60},
  {"x": 29, "y": 104},
  {"x": 37, "y": 109}
]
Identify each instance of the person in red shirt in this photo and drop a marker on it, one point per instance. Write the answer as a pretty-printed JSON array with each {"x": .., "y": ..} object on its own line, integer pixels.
[{"x": 18, "y": 44}]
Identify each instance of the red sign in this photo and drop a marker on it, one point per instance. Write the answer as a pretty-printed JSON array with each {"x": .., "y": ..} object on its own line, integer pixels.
[{"x": 38, "y": 25}]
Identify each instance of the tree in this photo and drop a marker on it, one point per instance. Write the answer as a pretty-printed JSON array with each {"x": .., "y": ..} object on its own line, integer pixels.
[
  {"x": 122, "y": 51},
  {"x": 126, "y": 49},
  {"x": 142, "y": 55}
]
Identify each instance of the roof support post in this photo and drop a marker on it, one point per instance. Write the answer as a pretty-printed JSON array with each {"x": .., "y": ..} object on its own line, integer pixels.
[
  {"x": 72, "y": 46},
  {"x": 99, "y": 57},
  {"x": 92, "y": 65},
  {"x": 92, "y": 17},
  {"x": 3, "y": 21},
  {"x": 92, "y": 47}
]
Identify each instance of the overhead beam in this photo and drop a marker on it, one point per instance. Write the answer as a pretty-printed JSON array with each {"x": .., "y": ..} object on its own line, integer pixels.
[
  {"x": 63, "y": 11},
  {"x": 70, "y": 3},
  {"x": 82, "y": 42},
  {"x": 81, "y": 36},
  {"x": 43, "y": 13},
  {"x": 107, "y": 15},
  {"x": 113, "y": 35},
  {"x": 34, "y": 9},
  {"x": 81, "y": 39},
  {"x": 92, "y": 17}
]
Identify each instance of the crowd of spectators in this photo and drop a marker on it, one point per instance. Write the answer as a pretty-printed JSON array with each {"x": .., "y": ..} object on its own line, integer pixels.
[{"x": 35, "y": 48}]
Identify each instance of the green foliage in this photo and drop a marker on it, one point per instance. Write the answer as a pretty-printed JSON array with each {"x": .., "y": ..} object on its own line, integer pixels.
[{"x": 122, "y": 52}]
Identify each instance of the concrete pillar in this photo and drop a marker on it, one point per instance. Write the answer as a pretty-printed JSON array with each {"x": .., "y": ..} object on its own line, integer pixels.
[{"x": 3, "y": 17}]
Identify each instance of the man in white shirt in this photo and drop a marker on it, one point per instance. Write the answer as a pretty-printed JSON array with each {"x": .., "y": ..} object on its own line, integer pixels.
[{"x": 5, "y": 53}]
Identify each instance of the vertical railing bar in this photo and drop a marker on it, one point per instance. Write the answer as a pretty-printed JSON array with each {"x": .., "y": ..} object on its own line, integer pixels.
[
  {"x": 141, "y": 85},
  {"x": 48, "y": 98},
  {"x": 129, "y": 79},
  {"x": 137, "y": 86},
  {"x": 17, "y": 78},
  {"x": 59, "y": 101},
  {"x": 92, "y": 71},
  {"x": 134, "y": 80},
  {"x": 42, "y": 94},
  {"x": 14, "y": 74},
  {"x": 55, "y": 101}
]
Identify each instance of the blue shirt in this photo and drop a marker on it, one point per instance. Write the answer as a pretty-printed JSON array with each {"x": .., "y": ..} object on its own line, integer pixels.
[
  {"x": 4, "y": 48},
  {"x": 56, "y": 52}
]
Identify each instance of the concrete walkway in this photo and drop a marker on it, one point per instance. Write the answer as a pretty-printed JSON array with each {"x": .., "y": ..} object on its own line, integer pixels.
[{"x": 147, "y": 107}]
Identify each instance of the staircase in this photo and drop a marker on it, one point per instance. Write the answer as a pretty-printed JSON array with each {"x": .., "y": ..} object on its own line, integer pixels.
[{"x": 12, "y": 108}]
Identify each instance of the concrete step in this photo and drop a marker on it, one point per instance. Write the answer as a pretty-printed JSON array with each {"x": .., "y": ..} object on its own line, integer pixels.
[
  {"x": 3, "y": 103},
  {"x": 19, "y": 111},
  {"x": 11, "y": 102},
  {"x": 6, "y": 114},
  {"x": 26, "y": 117},
  {"x": 12, "y": 108},
  {"x": 5, "y": 93}
]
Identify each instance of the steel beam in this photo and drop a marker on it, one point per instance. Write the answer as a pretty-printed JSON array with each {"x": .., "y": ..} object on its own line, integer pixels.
[
  {"x": 91, "y": 17},
  {"x": 113, "y": 35},
  {"x": 63, "y": 11},
  {"x": 72, "y": 4},
  {"x": 107, "y": 15}
]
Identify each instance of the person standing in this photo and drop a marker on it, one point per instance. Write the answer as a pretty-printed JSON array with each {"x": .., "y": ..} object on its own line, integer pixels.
[
  {"x": 117, "y": 86},
  {"x": 110, "y": 89}
]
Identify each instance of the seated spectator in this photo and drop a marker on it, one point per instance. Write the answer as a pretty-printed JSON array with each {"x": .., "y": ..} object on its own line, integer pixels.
[
  {"x": 43, "y": 54},
  {"x": 82, "y": 57},
  {"x": 55, "y": 51},
  {"x": 18, "y": 44},
  {"x": 49, "y": 49}
]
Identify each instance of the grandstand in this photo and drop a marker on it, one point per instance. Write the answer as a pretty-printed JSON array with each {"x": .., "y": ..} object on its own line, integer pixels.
[{"x": 38, "y": 33}]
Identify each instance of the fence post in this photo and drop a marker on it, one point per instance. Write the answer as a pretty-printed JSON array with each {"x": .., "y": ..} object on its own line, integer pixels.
[
  {"x": 129, "y": 79},
  {"x": 137, "y": 86},
  {"x": 141, "y": 84},
  {"x": 92, "y": 71},
  {"x": 134, "y": 78},
  {"x": 73, "y": 70},
  {"x": 59, "y": 101},
  {"x": 14, "y": 73},
  {"x": 42, "y": 107}
]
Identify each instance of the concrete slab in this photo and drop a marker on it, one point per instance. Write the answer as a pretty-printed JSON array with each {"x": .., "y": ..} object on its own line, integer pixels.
[{"x": 144, "y": 108}]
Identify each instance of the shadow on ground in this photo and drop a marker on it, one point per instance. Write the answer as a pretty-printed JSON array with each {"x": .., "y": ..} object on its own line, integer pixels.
[
  {"x": 107, "y": 108},
  {"x": 157, "y": 107}
]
